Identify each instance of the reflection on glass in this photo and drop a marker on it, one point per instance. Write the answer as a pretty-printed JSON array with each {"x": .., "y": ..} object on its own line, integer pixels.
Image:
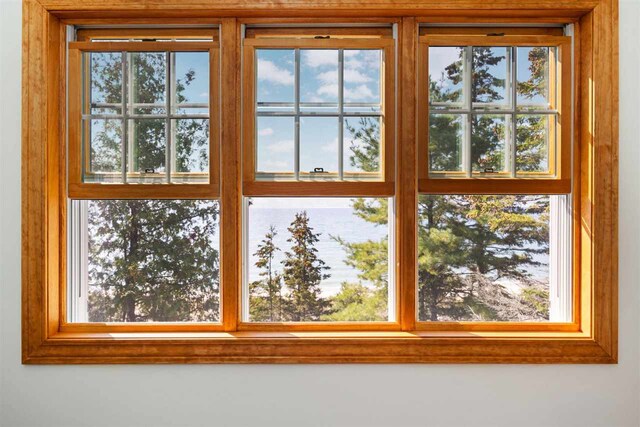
[
  {"x": 533, "y": 133},
  {"x": 148, "y": 80},
  {"x": 190, "y": 150},
  {"x": 362, "y": 80},
  {"x": 446, "y": 74},
  {"x": 446, "y": 142},
  {"x": 275, "y": 146},
  {"x": 490, "y": 73},
  {"x": 152, "y": 261},
  {"x": 319, "y": 80},
  {"x": 318, "y": 147},
  {"x": 105, "y": 83},
  {"x": 533, "y": 78},
  {"x": 488, "y": 143},
  {"x": 317, "y": 259},
  {"x": 483, "y": 258},
  {"x": 105, "y": 150},
  {"x": 361, "y": 147},
  {"x": 192, "y": 77},
  {"x": 275, "y": 79},
  {"x": 148, "y": 149}
]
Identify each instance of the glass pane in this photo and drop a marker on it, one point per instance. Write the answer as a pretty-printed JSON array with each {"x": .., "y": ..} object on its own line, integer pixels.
[
  {"x": 318, "y": 80},
  {"x": 105, "y": 93},
  {"x": 362, "y": 80},
  {"x": 276, "y": 147},
  {"x": 192, "y": 78},
  {"x": 446, "y": 77},
  {"x": 190, "y": 150},
  {"x": 104, "y": 150},
  {"x": 148, "y": 81},
  {"x": 150, "y": 261},
  {"x": 489, "y": 143},
  {"x": 534, "y": 134},
  {"x": 318, "y": 259},
  {"x": 533, "y": 78},
  {"x": 318, "y": 147},
  {"x": 147, "y": 150},
  {"x": 361, "y": 148},
  {"x": 275, "y": 79},
  {"x": 490, "y": 81},
  {"x": 446, "y": 142},
  {"x": 483, "y": 258}
]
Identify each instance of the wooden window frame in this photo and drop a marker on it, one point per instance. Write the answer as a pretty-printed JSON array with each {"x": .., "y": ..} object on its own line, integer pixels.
[
  {"x": 47, "y": 339},
  {"x": 560, "y": 180},
  {"x": 90, "y": 190},
  {"x": 329, "y": 187}
]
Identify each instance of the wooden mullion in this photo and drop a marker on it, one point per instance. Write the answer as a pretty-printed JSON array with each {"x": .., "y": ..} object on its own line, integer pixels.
[
  {"x": 406, "y": 204},
  {"x": 230, "y": 232}
]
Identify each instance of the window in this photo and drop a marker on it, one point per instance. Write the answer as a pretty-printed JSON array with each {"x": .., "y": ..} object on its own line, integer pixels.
[
  {"x": 319, "y": 112},
  {"x": 143, "y": 110},
  {"x": 498, "y": 108},
  {"x": 204, "y": 188}
]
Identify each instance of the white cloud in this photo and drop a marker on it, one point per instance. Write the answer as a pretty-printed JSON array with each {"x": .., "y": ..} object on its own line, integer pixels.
[
  {"x": 204, "y": 95},
  {"x": 331, "y": 147},
  {"x": 358, "y": 93},
  {"x": 274, "y": 165},
  {"x": 270, "y": 72},
  {"x": 355, "y": 76},
  {"x": 328, "y": 90},
  {"x": 265, "y": 132},
  {"x": 318, "y": 58},
  {"x": 284, "y": 146},
  {"x": 328, "y": 77}
]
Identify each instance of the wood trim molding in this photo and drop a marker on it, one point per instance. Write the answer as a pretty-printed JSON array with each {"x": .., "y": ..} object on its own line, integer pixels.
[{"x": 47, "y": 339}]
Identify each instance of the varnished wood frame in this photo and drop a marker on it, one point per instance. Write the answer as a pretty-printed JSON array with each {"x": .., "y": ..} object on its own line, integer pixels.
[
  {"x": 44, "y": 193},
  {"x": 381, "y": 188},
  {"x": 560, "y": 180},
  {"x": 78, "y": 189}
]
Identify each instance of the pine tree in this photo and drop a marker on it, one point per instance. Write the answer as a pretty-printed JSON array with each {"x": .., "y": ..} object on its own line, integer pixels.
[
  {"x": 303, "y": 272},
  {"x": 150, "y": 260},
  {"x": 266, "y": 299}
]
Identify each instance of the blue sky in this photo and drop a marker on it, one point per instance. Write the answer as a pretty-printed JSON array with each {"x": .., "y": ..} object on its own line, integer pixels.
[{"x": 318, "y": 83}]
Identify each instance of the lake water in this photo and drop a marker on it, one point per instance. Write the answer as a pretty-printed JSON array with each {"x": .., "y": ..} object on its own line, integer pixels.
[{"x": 328, "y": 222}]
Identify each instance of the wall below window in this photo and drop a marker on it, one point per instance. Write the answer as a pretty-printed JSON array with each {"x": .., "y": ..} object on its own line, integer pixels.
[{"x": 349, "y": 395}]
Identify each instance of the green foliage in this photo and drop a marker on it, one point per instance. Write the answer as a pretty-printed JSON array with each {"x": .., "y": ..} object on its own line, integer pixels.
[
  {"x": 303, "y": 271},
  {"x": 153, "y": 260}
]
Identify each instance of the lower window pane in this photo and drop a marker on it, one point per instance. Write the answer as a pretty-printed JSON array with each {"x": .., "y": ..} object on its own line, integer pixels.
[
  {"x": 534, "y": 134},
  {"x": 494, "y": 258},
  {"x": 489, "y": 143},
  {"x": 317, "y": 259},
  {"x": 144, "y": 261},
  {"x": 446, "y": 136}
]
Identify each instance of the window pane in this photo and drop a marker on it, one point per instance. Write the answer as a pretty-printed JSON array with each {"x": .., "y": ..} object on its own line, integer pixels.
[
  {"x": 361, "y": 148},
  {"x": 319, "y": 80},
  {"x": 148, "y": 82},
  {"x": 533, "y": 78},
  {"x": 446, "y": 77},
  {"x": 490, "y": 77},
  {"x": 486, "y": 258},
  {"x": 488, "y": 143},
  {"x": 276, "y": 148},
  {"x": 147, "y": 151},
  {"x": 275, "y": 79},
  {"x": 105, "y": 93},
  {"x": 362, "y": 80},
  {"x": 533, "y": 136},
  {"x": 146, "y": 260},
  {"x": 190, "y": 150},
  {"x": 105, "y": 150},
  {"x": 318, "y": 147},
  {"x": 192, "y": 78},
  {"x": 446, "y": 142},
  {"x": 317, "y": 259}
]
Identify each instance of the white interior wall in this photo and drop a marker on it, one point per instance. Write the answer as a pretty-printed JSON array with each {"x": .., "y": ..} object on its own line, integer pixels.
[{"x": 347, "y": 395}]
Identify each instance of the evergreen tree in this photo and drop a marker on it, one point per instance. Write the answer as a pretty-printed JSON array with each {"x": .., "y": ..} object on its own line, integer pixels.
[
  {"x": 153, "y": 260},
  {"x": 150, "y": 260},
  {"x": 303, "y": 272},
  {"x": 266, "y": 299}
]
